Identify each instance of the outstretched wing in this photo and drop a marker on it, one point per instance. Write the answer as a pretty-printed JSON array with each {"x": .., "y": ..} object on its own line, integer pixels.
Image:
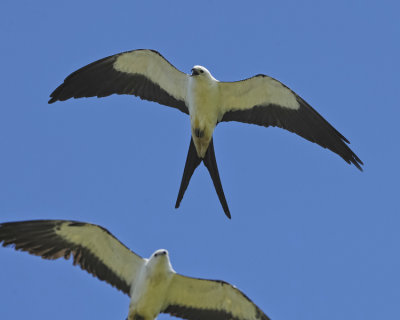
[
  {"x": 94, "y": 248},
  {"x": 197, "y": 299},
  {"x": 143, "y": 73},
  {"x": 265, "y": 101}
]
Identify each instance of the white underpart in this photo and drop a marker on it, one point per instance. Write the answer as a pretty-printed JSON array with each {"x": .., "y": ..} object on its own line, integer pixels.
[
  {"x": 122, "y": 261},
  {"x": 203, "y": 101},
  {"x": 149, "y": 293},
  {"x": 256, "y": 91}
]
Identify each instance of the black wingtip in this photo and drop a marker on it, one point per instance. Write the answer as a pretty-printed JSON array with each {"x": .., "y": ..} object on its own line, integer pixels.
[
  {"x": 57, "y": 95},
  {"x": 53, "y": 97},
  {"x": 358, "y": 166},
  {"x": 358, "y": 163},
  {"x": 211, "y": 164},
  {"x": 192, "y": 162}
]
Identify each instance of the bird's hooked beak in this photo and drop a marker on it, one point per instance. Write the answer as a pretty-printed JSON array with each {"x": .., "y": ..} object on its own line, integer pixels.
[{"x": 195, "y": 72}]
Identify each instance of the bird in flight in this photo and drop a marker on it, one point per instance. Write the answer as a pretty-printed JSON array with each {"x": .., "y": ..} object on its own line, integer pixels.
[
  {"x": 153, "y": 286},
  {"x": 259, "y": 100}
]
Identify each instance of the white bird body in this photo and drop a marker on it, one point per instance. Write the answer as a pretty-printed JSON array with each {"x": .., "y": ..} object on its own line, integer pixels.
[
  {"x": 203, "y": 102},
  {"x": 149, "y": 292}
]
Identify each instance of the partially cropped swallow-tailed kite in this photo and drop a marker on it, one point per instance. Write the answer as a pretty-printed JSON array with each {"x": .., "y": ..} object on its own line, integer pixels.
[
  {"x": 260, "y": 100},
  {"x": 153, "y": 286}
]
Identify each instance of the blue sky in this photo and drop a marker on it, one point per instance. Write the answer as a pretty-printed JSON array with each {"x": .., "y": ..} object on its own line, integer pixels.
[{"x": 310, "y": 237}]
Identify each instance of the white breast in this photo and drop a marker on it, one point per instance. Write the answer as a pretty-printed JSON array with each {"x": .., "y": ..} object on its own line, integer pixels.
[
  {"x": 148, "y": 295},
  {"x": 203, "y": 98}
]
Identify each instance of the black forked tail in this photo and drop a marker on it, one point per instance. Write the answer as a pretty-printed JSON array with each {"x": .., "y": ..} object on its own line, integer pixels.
[
  {"x": 211, "y": 164},
  {"x": 192, "y": 162}
]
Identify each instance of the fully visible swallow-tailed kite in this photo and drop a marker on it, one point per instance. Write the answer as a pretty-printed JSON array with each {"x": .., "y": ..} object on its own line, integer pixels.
[
  {"x": 260, "y": 100},
  {"x": 153, "y": 286}
]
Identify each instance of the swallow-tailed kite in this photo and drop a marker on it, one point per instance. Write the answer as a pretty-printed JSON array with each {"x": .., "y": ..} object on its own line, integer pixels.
[
  {"x": 260, "y": 100},
  {"x": 153, "y": 286}
]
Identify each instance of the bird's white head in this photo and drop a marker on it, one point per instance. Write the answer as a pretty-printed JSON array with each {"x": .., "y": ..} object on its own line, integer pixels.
[
  {"x": 159, "y": 253},
  {"x": 159, "y": 260},
  {"x": 201, "y": 72}
]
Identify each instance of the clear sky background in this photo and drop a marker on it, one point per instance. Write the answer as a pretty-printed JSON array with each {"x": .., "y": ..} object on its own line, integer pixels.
[{"x": 310, "y": 237}]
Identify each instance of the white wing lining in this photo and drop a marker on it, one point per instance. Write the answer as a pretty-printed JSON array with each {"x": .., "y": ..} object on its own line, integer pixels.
[
  {"x": 92, "y": 247},
  {"x": 154, "y": 67},
  {"x": 190, "y": 297},
  {"x": 260, "y": 90},
  {"x": 108, "y": 249}
]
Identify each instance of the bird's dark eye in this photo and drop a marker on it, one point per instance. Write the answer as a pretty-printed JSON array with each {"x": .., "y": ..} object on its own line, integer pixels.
[{"x": 201, "y": 71}]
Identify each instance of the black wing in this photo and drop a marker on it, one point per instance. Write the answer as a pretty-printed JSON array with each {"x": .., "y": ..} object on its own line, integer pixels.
[
  {"x": 143, "y": 73},
  {"x": 93, "y": 248},
  {"x": 265, "y": 101}
]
